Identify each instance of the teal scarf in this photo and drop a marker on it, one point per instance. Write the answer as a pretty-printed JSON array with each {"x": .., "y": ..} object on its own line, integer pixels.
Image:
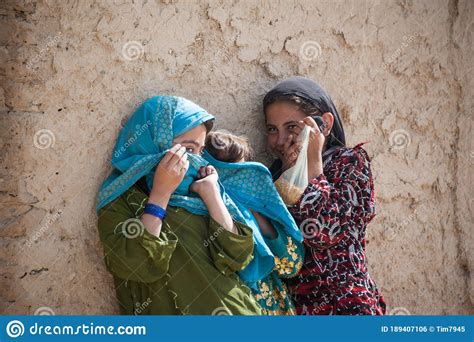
[{"x": 148, "y": 136}]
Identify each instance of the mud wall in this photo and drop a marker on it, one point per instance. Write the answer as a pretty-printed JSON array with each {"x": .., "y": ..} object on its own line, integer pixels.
[{"x": 400, "y": 73}]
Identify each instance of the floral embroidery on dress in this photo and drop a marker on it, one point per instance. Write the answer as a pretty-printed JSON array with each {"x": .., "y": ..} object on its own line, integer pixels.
[
  {"x": 272, "y": 293},
  {"x": 286, "y": 267}
]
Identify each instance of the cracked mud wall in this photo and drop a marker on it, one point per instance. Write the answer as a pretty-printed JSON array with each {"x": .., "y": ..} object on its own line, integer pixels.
[{"x": 400, "y": 73}]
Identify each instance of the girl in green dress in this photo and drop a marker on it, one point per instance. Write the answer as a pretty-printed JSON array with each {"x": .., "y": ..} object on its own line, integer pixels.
[{"x": 164, "y": 258}]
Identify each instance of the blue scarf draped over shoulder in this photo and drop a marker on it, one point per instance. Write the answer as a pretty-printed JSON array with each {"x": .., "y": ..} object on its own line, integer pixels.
[{"x": 145, "y": 139}]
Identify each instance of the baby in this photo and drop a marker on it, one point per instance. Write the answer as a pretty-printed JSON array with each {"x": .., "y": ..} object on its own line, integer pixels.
[
  {"x": 228, "y": 147},
  {"x": 231, "y": 148}
]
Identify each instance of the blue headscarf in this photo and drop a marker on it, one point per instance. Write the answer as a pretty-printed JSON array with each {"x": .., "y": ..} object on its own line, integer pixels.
[
  {"x": 250, "y": 186},
  {"x": 145, "y": 139},
  {"x": 148, "y": 136}
]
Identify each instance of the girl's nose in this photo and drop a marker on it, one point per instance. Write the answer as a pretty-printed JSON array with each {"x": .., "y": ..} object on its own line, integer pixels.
[{"x": 281, "y": 140}]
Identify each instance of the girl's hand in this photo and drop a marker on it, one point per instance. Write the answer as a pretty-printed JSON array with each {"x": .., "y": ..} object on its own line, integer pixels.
[
  {"x": 169, "y": 173},
  {"x": 207, "y": 188},
  {"x": 315, "y": 148},
  {"x": 292, "y": 149},
  {"x": 207, "y": 181},
  {"x": 290, "y": 153}
]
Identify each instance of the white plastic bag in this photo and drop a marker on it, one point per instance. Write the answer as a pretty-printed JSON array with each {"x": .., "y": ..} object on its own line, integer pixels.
[{"x": 293, "y": 181}]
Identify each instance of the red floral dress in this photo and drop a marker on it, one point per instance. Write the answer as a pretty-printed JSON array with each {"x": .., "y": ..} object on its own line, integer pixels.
[{"x": 333, "y": 214}]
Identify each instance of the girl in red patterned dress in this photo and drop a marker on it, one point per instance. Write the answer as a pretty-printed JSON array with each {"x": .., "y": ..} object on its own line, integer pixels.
[{"x": 336, "y": 206}]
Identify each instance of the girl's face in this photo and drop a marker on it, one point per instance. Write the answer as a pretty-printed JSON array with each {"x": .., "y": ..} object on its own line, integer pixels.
[
  {"x": 282, "y": 120},
  {"x": 193, "y": 140}
]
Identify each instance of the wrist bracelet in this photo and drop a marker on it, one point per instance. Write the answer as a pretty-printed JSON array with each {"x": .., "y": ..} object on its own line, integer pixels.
[{"x": 155, "y": 210}]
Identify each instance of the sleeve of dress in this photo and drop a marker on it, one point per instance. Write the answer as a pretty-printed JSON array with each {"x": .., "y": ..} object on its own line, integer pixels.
[
  {"x": 131, "y": 252},
  {"x": 326, "y": 210},
  {"x": 289, "y": 254},
  {"x": 230, "y": 252}
]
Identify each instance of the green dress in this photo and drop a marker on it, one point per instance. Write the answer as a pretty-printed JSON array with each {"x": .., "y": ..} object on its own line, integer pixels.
[{"x": 189, "y": 269}]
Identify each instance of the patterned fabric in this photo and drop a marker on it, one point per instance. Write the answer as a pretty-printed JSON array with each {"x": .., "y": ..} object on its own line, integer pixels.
[
  {"x": 333, "y": 214},
  {"x": 272, "y": 294},
  {"x": 147, "y": 137},
  {"x": 250, "y": 186}
]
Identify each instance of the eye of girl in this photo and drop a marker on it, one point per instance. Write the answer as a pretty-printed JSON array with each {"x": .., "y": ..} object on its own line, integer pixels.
[
  {"x": 271, "y": 130},
  {"x": 189, "y": 149},
  {"x": 292, "y": 127}
]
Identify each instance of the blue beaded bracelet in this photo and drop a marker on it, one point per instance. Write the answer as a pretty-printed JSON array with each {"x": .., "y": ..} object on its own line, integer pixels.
[{"x": 155, "y": 210}]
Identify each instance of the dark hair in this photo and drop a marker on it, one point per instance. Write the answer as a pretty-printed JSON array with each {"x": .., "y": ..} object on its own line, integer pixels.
[
  {"x": 208, "y": 124},
  {"x": 306, "y": 107},
  {"x": 314, "y": 102},
  {"x": 228, "y": 147}
]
